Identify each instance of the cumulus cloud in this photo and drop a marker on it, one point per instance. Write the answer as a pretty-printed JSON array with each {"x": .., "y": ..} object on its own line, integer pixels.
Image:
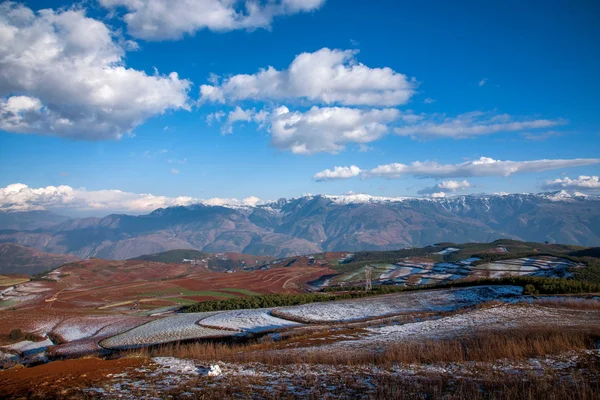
[
  {"x": 470, "y": 124},
  {"x": 583, "y": 183},
  {"x": 62, "y": 73},
  {"x": 327, "y": 129},
  {"x": 483, "y": 166},
  {"x": 241, "y": 115},
  {"x": 20, "y": 197},
  {"x": 445, "y": 187},
  {"x": 337, "y": 173},
  {"x": 168, "y": 19},
  {"x": 482, "y": 81},
  {"x": 325, "y": 76}
]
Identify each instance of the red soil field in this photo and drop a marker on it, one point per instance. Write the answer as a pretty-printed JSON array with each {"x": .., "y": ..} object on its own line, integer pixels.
[
  {"x": 54, "y": 377},
  {"x": 97, "y": 287}
]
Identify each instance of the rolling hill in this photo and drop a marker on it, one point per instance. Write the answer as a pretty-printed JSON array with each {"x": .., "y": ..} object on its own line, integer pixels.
[{"x": 16, "y": 259}]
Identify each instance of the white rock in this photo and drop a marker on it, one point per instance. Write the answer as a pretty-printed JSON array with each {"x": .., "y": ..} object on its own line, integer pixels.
[{"x": 215, "y": 370}]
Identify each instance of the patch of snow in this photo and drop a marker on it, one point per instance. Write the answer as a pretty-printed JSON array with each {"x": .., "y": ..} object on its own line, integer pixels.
[
  {"x": 29, "y": 347},
  {"x": 448, "y": 251},
  {"x": 169, "y": 329},
  {"x": 365, "y": 198},
  {"x": 246, "y": 320},
  {"x": 503, "y": 315},
  {"x": 79, "y": 328},
  {"x": 379, "y": 306}
]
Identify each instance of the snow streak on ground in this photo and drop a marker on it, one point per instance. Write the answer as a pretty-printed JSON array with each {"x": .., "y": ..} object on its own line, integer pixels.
[
  {"x": 253, "y": 380},
  {"x": 87, "y": 345},
  {"x": 80, "y": 328},
  {"x": 379, "y": 306},
  {"x": 247, "y": 320},
  {"x": 502, "y": 316},
  {"x": 168, "y": 329},
  {"x": 29, "y": 347}
]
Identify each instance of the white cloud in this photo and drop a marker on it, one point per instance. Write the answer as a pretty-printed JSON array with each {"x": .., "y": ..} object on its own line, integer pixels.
[
  {"x": 337, "y": 173},
  {"x": 241, "y": 115},
  {"x": 583, "y": 182},
  {"x": 325, "y": 76},
  {"x": 214, "y": 117},
  {"x": 63, "y": 74},
  {"x": 17, "y": 197},
  {"x": 168, "y": 19},
  {"x": 327, "y": 129},
  {"x": 438, "y": 195},
  {"x": 429, "y": 100},
  {"x": 446, "y": 187},
  {"x": 20, "y": 197},
  {"x": 541, "y": 136},
  {"x": 483, "y": 166},
  {"x": 482, "y": 81},
  {"x": 470, "y": 125},
  {"x": 174, "y": 171}
]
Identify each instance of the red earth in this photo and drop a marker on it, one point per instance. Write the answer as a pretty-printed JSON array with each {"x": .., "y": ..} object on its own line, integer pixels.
[{"x": 96, "y": 287}]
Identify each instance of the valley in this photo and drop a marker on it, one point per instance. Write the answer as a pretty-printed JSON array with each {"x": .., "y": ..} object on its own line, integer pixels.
[{"x": 184, "y": 314}]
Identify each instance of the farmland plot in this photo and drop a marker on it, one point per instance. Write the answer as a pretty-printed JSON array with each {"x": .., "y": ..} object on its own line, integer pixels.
[
  {"x": 247, "y": 320},
  {"x": 169, "y": 329},
  {"x": 504, "y": 316},
  {"x": 435, "y": 300}
]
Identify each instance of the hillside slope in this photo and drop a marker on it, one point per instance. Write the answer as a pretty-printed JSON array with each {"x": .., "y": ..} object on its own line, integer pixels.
[{"x": 16, "y": 259}]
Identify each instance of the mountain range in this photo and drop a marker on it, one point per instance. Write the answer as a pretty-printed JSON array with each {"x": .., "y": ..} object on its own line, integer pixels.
[{"x": 312, "y": 224}]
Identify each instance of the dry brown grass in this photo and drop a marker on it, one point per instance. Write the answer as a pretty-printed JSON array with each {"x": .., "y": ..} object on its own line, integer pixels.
[
  {"x": 575, "y": 303},
  {"x": 581, "y": 383},
  {"x": 512, "y": 344}
]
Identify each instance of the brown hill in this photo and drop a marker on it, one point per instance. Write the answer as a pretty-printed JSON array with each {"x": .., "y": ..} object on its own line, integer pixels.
[{"x": 17, "y": 259}]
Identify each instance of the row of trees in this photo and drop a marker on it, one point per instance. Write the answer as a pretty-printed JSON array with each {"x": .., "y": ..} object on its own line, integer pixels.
[{"x": 531, "y": 286}]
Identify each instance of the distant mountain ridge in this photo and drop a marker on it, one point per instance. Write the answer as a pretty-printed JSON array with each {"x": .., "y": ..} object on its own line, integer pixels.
[{"x": 312, "y": 224}]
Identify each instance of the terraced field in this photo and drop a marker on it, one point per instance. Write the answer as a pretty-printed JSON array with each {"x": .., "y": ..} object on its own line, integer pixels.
[
  {"x": 415, "y": 271},
  {"x": 400, "y": 303}
]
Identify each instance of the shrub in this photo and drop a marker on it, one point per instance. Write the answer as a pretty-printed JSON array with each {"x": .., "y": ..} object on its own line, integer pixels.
[
  {"x": 529, "y": 289},
  {"x": 16, "y": 334}
]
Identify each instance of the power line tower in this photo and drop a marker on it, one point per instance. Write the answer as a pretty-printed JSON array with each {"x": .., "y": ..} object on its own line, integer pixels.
[{"x": 368, "y": 285}]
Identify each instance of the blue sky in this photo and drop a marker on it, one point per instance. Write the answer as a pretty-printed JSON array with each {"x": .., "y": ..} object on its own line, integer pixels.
[{"x": 446, "y": 84}]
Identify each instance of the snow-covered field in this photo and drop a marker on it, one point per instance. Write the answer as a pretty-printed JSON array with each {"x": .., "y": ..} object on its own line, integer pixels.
[
  {"x": 83, "y": 327},
  {"x": 490, "y": 319},
  {"x": 246, "y": 320},
  {"x": 89, "y": 344},
  {"x": 379, "y": 306},
  {"x": 164, "y": 330}
]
